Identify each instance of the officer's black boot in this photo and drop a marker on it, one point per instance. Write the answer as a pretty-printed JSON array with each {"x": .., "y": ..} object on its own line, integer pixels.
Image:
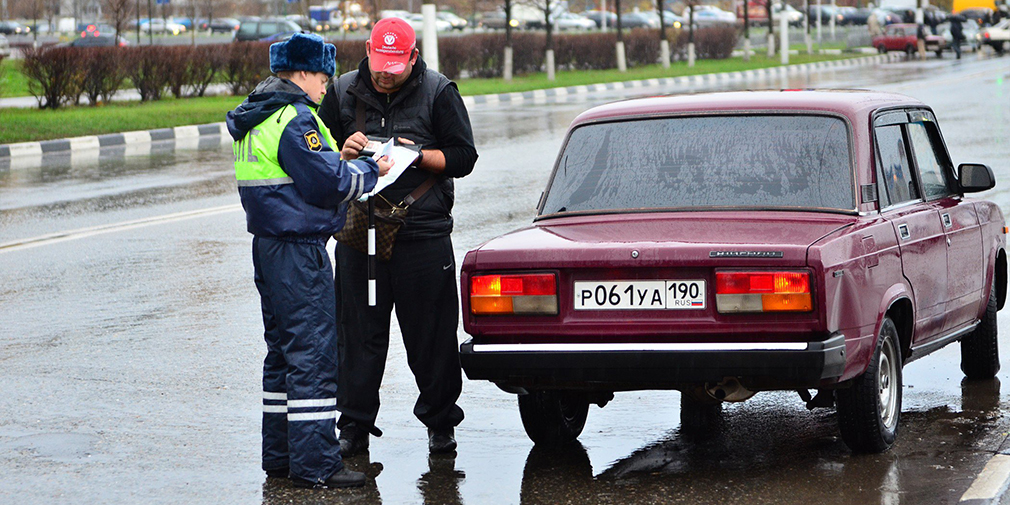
[
  {"x": 343, "y": 478},
  {"x": 441, "y": 440}
]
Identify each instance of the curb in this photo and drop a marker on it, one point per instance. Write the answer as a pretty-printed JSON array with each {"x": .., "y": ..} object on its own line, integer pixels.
[{"x": 139, "y": 142}]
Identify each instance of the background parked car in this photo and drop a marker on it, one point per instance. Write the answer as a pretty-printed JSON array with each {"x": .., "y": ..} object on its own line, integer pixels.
[
  {"x": 599, "y": 16},
  {"x": 220, "y": 25},
  {"x": 902, "y": 37},
  {"x": 570, "y": 21},
  {"x": 265, "y": 29},
  {"x": 457, "y": 22},
  {"x": 416, "y": 22},
  {"x": 996, "y": 36},
  {"x": 13, "y": 28},
  {"x": 99, "y": 40},
  {"x": 638, "y": 20},
  {"x": 495, "y": 20}
]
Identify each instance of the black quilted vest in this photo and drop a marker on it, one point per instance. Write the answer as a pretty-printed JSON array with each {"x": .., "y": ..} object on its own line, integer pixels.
[{"x": 408, "y": 114}]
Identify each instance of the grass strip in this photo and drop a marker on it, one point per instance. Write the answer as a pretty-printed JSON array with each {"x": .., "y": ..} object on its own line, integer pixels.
[
  {"x": 12, "y": 81},
  {"x": 678, "y": 69},
  {"x": 26, "y": 125}
]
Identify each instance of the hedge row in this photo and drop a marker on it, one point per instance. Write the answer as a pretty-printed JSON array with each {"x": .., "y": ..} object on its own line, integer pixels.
[{"x": 62, "y": 75}]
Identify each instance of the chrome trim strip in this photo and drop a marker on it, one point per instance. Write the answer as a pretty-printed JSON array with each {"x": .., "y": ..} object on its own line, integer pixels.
[{"x": 637, "y": 347}]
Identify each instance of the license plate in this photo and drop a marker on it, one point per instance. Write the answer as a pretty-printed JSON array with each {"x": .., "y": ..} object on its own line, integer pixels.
[{"x": 668, "y": 295}]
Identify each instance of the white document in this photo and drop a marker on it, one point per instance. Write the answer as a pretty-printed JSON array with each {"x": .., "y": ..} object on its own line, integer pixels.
[{"x": 401, "y": 158}]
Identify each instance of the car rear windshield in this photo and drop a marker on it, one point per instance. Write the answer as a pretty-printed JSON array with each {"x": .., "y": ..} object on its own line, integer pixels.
[{"x": 750, "y": 161}]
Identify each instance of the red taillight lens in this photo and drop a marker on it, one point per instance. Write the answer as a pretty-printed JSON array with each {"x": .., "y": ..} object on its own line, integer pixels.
[
  {"x": 514, "y": 294},
  {"x": 763, "y": 291}
]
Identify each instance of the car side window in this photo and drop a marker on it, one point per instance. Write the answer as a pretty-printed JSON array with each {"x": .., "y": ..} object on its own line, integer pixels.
[
  {"x": 931, "y": 173},
  {"x": 894, "y": 164}
]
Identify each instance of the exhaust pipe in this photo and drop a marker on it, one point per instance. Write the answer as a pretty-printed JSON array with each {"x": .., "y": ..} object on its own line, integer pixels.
[{"x": 729, "y": 390}]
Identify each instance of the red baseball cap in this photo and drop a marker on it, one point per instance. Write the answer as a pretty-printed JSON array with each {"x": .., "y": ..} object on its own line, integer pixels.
[{"x": 392, "y": 44}]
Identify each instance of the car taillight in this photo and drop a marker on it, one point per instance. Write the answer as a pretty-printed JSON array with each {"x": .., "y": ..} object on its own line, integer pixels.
[
  {"x": 762, "y": 292},
  {"x": 514, "y": 294}
]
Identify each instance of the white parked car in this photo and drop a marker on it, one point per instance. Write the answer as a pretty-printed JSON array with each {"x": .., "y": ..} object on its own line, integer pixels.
[
  {"x": 158, "y": 25},
  {"x": 417, "y": 23},
  {"x": 572, "y": 21},
  {"x": 996, "y": 36}
]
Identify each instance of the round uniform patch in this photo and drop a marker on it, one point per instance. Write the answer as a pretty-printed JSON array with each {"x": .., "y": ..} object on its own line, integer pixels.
[{"x": 312, "y": 140}]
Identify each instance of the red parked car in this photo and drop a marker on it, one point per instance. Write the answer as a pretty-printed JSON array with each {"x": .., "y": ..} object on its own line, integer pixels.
[
  {"x": 731, "y": 243},
  {"x": 902, "y": 37}
]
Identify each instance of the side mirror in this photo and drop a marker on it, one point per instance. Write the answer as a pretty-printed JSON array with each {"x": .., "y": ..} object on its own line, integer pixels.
[{"x": 975, "y": 177}]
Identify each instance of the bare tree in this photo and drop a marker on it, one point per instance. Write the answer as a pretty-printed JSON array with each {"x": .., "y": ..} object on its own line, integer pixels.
[
  {"x": 546, "y": 7},
  {"x": 118, "y": 11}
]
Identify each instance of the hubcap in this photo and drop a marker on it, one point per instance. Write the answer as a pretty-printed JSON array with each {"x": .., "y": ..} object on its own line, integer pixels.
[{"x": 887, "y": 384}]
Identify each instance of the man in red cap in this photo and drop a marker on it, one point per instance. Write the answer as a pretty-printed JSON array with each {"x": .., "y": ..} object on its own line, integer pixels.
[{"x": 394, "y": 94}]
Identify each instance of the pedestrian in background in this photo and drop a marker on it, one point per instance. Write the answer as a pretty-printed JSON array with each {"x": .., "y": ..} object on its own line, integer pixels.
[
  {"x": 957, "y": 33},
  {"x": 873, "y": 25},
  {"x": 294, "y": 189},
  {"x": 394, "y": 94},
  {"x": 920, "y": 40}
]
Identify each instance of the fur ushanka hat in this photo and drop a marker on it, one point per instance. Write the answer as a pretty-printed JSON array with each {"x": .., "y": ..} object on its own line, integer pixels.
[{"x": 303, "y": 51}]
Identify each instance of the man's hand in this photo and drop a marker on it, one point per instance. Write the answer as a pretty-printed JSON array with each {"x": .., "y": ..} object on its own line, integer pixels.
[
  {"x": 384, "y": 165},
  {"x": 353, "y": 146}
]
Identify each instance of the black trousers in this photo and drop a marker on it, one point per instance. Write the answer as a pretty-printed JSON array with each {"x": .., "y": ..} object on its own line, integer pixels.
[{"x": 419, "y": 281}]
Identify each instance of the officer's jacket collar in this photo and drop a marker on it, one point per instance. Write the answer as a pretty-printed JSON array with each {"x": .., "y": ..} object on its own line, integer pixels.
[{"x": 269, "y": 96}]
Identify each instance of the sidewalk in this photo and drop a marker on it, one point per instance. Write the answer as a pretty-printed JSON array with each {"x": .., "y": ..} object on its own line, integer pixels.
[{"x": 139, "y": 141}]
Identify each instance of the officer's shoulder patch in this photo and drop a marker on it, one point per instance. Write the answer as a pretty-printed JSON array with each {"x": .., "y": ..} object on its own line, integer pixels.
[{"x": 312, "y": 140}]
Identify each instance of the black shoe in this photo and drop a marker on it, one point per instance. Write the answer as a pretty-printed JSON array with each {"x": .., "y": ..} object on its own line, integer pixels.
[
  {"x": 352, "y": 441},
  {"x": 441, "y": 441},
  {"x": 343, "y": 478},
  {"x": 278, "y": 473}
]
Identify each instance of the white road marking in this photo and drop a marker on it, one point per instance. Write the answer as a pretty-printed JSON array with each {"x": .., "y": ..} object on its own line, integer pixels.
[
  {"x": 52, "y": 238},
  {"x": 991, "y": 481}
]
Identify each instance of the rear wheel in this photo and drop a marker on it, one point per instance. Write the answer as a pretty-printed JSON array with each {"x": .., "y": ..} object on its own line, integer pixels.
[
  {"x": 910, "y": 51},
  {"x": 939, "y": 53},
  {"x": 881, "y": 50},
  {"x": 980, "y": 348},
  {"x": 869, "y": 410},
  {"x": 553, "y": 418}
]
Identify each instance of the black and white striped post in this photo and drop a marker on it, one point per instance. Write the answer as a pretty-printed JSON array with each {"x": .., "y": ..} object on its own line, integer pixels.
[{"x": 371, "y": 252}]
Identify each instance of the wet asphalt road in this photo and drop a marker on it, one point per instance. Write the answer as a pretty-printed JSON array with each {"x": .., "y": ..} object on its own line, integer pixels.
[{"x": 130, "y": 343}]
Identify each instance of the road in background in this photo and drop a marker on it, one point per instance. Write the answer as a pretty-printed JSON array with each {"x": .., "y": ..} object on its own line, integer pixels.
[{"x": 131, "y": 343}]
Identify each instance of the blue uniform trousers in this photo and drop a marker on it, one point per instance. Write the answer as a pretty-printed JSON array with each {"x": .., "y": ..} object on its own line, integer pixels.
[{"x": 295, "y": 281}]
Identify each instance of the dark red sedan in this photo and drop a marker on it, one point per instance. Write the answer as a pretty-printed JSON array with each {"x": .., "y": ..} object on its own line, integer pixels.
[
  {"x": 731, "y": 243},
  {"x": 902, "y": 37}
]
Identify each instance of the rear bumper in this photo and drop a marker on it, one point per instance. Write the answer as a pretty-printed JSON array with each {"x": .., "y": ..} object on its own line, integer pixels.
[{"x": 785, "y": 365}]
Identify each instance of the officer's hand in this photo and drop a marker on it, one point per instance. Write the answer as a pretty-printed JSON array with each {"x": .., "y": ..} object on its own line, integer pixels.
[
  {"x": 384, "y": 165},
  {"x": 353, "y": 146}
]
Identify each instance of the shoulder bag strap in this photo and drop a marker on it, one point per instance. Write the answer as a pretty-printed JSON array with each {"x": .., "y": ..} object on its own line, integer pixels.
[{"x": 420, "y": 191}]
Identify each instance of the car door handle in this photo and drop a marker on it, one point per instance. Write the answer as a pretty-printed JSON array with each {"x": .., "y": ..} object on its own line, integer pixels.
[
  {"x": 903, "y": 231},
  {"x": 948, "y": 241}
]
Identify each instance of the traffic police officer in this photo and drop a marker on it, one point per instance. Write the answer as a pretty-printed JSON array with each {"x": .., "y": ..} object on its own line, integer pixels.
[{"x": 294, "y": 188}]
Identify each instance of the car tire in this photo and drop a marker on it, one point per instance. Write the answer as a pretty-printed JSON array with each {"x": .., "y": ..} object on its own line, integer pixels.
[
  {"x": 910, "y": 51},
  {"x": 698, "y": 415},
  {"x": 869, "y": 410},
  {"x": 939, "y": 54},
  {"x": 881, "y": 50},
  {"x": 553, "y": 418},
  {"x": 980, "y": 348}
]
